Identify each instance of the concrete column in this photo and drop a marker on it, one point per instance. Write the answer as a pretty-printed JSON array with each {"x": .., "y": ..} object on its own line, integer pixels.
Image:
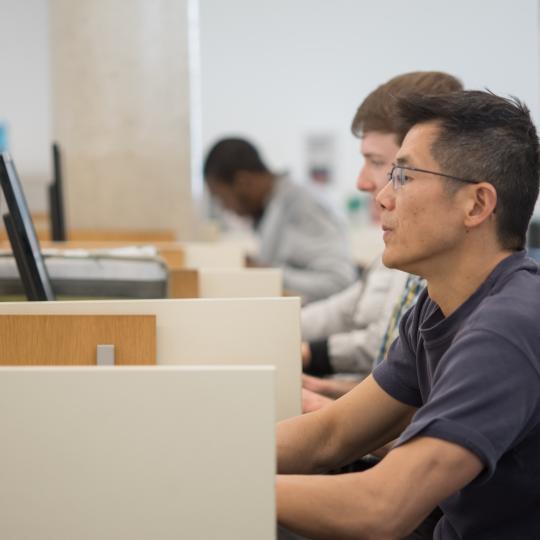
[{"x": 121, "y": 113}]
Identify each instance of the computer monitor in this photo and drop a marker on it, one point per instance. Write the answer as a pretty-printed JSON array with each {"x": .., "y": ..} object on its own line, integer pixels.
[
  {"x": 22, "y": 235},
  {"x": 533, "y": 238},
  {"x": 56, "y": 198}
]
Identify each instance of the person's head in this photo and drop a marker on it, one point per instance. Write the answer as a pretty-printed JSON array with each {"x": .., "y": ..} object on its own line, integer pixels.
[
  {"x": 237, "y": 176},
  {"x": 376, "y": 122},
  {"x": 485, "y": 150}
]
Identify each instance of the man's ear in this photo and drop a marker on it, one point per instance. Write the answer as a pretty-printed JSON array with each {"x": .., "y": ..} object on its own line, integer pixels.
[{"x": 482, "y": 204}]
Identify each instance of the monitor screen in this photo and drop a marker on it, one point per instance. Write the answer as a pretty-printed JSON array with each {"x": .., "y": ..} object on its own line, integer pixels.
[{"x": 22, "y": 235}]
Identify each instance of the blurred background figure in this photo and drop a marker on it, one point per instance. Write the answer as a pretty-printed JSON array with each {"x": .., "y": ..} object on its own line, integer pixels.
[{"x": 296, "y": 230}]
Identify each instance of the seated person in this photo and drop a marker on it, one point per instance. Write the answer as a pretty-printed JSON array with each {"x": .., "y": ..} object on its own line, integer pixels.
[
  {"x": 318, "y": 392},
  {"x": 343, "y": 333},
  {"x": 295, "y": 230},
  {"x": 461, "y": 384}
]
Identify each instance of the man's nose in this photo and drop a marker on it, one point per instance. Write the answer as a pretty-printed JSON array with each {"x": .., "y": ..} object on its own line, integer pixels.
[
  {"x": 364, "y": 182},
  {"x": 386, "y": 197}
]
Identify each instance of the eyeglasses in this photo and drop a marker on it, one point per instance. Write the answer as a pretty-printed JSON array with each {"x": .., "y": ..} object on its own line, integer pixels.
[{"x": 398, "y": 177}]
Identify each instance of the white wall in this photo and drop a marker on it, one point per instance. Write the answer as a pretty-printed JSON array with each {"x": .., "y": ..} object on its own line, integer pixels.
[
  {"x": 25, "y": 92},
  {"x": 277, "y": 71}
]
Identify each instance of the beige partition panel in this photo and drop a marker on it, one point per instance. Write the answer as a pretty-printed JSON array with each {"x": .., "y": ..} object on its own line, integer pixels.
[
  {"x": 213, "y": 255},
  {"x": 74, "y": 339},
  {"x": 245, "y": 282},
  {"x": 137, "y": 453},
  {"x": 214, "y": 331},
  {"x": 225, "y": 282}
]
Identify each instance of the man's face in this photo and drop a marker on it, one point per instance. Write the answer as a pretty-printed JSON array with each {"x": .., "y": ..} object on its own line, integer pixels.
[
  {"x": 422, "y": 222},
  {"x": 379, "y": 151},
  {"x": 236, "y": 196}
]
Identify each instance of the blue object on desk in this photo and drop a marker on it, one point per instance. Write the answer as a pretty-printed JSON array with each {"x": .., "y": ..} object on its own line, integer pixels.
[{"x": 3, "y": 137}]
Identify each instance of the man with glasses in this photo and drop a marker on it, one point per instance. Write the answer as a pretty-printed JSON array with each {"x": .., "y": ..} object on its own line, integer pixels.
[{"x": 461, "y": 385}]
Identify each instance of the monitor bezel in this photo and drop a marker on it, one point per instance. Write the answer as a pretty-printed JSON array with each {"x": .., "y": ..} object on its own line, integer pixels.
[
  {"x": 22, "y": 235},
  {"x": 56, "y": 198}
]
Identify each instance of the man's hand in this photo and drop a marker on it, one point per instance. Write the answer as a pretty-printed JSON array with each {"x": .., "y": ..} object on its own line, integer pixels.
[
  {"x": 313, "y": 384},
  {"x": 251, "y": 262},
  {"x": 312, "y": 401}
]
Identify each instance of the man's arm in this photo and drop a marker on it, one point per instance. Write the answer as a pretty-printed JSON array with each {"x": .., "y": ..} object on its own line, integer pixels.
[
  {"x": 333, "y": 315},
  {"x": 385, "y": 502},
  {"x": 352, "y": 342},
  {"x": 331, "y": 388},
  {"x": 359, "y": 422}
]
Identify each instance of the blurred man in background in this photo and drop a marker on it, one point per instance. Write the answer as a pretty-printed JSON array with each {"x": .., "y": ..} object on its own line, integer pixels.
[{"x": 296, "y": 231}]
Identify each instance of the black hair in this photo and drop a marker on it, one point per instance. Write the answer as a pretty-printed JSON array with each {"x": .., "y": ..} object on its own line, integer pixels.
[
  {"x": 228, "y": 156},
  {"x": 488, "y": 138}
]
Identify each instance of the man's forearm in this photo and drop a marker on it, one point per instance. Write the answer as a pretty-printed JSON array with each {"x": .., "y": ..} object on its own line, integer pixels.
[
  {"x": 386, "y": 501},
  {"x": 301, "y": 443},
  {"x": 319, "y": 441},
  {"x": 315, "y": 506}
]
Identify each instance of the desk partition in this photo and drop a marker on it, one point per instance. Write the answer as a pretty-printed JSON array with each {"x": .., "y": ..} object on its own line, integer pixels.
[
  {"x": 247, "y": 331},
  {"x": 225, "y": 282},
  {"x": 137, "y": 453},
  {"x": 213, "y": 255},
  {"x": 41, "y": 340}
]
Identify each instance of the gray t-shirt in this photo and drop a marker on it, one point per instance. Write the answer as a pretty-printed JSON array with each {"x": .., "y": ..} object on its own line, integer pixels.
[{"x": 475, "y": 378}]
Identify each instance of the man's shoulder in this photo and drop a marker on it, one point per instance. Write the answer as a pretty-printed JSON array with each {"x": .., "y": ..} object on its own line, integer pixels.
[
  {"x": 286, "y": 188},
  {"x": 291, "y": 192},
  {"x": 288, "y": 203},
  {"x": 508, "y": 303},
  {"x": 511, "y": 315},
  {"x": 516, "y": 298}
]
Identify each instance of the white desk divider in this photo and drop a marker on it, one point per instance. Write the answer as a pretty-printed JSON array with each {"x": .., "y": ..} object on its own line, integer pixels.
[
  {"x": 131, "y": 452},
  {"x": 263, "y": 331},
  {"x": 213, "y": 254},
  {"x": 240, "y": 282}
]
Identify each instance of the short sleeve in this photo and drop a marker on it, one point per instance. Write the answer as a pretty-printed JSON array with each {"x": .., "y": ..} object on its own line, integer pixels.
[{"x": 484, "y": 397}]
